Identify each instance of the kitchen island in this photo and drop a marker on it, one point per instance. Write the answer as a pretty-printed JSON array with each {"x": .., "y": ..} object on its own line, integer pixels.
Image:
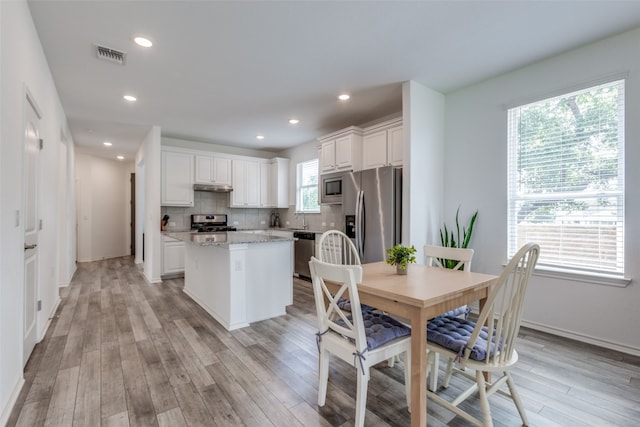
[{"x": 238, "y": 278}]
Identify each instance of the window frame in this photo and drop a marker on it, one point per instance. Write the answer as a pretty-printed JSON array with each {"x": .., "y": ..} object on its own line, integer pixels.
[
  {"x": 550, "y": 269},
  {"x": 299, "y": 187}
]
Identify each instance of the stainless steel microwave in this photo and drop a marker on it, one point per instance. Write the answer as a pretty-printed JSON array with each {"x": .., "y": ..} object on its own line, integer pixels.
[{"x": 331, "y": 189}]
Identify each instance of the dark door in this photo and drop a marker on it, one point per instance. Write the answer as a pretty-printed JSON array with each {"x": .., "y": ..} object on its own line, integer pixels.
[{"x": 133, "y": 214}]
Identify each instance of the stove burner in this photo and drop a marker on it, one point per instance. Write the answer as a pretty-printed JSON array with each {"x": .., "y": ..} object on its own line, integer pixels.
[
  {"x": 210, "y": 223},
  {"x": 215, "y": 229}
]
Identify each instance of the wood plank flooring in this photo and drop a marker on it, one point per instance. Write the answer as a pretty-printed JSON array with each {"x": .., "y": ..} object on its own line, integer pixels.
[{"x": 122, "y": 352}]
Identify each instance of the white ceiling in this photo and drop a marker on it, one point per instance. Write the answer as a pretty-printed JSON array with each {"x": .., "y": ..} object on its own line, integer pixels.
[{"x": 224, "y": 72}]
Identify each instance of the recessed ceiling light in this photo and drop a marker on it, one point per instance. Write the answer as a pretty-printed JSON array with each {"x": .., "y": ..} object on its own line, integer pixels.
[
  {"x": 130, "y": 98},
  {"x": 107, "y": 143},
  {"x": 294, "y": 121},
  {"x": 343, "y": 97},
  {"x": 143, "y": 41},
  {"x": 120, "y": 157},
  {"x": 259, "y": 136}
]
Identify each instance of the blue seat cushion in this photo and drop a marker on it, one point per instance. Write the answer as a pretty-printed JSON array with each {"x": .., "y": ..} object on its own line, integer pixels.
[
  {"x": 456, "y": 312},
  {"x": 453, "y": 333},
  {"x": 345, "y": 304},
  {"x": 380, "y": 329}
]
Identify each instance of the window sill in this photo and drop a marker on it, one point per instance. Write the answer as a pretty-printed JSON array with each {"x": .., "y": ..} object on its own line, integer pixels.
[{"x": 598, "y": 279}]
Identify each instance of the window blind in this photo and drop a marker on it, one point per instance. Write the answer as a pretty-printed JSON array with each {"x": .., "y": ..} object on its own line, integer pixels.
[{"x": 566, "y": 179}]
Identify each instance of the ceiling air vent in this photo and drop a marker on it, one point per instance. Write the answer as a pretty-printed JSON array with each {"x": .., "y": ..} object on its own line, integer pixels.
[{"x": 111, "y": 55}]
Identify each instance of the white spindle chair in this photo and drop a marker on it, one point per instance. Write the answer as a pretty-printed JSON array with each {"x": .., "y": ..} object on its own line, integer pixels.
[
  {"x": 499, "y": 318},
  {"x": 436, "y": 256},
  {"x": 336, "y": 248}
]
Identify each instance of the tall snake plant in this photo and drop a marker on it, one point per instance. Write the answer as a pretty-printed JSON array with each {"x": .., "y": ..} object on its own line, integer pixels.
[{"x": 456, "y": 240}]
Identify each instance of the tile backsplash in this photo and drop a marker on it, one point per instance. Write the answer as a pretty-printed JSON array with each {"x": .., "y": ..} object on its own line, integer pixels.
[{"x": 250, "y": 218}]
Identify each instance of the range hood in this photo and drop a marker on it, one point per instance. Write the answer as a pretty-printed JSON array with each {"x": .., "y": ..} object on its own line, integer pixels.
[{"x": 213, "y": 188}]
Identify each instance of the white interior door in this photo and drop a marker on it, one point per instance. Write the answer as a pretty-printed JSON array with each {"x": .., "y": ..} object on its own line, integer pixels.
[{"x": 31, "y": 151}]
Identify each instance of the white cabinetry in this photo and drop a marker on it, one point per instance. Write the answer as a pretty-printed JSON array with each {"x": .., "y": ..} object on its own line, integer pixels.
[
  {"x": 267, "y": 181},
  {"x": 246, "y": 184},
  {"x": 341, "y": 150},
  {"x": 274, "y": 183},
  {"x": 213, "y": 170},
  {"x": 177, "y": 179},
  {"x": 382, "y": 145},
  {"x": 172, "y": 256}
]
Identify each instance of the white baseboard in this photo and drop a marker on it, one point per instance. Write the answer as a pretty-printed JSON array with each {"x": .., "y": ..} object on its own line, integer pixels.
[
  {"x": 150, "y": 279},
  {"x": 623, "y": 348},
  {"x": 13, "y": 397},
  {"x": 45, "y": 327},
  {"x": 67, "y": 282}
]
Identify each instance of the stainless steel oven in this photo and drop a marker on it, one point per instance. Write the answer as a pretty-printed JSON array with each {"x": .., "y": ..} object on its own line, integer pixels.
[{"x": 331, "y": 189}]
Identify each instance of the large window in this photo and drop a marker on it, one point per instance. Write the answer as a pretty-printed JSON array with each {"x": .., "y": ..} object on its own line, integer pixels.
[
  {"x": 307, "y": 187},
  {"x": 566, "y": 179}
]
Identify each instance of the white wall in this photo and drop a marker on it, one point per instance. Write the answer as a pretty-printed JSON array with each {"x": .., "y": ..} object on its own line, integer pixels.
[
  {"x": 23, "y": 67},
  {"x": 149, "y": 156},
  {"x": 140, "y": 215},
  {"x": 476, "y": 177},
  {"x": 103, "y": 207},
  {"x": 67, "y": 212},
  {"x": 217, "y": 148},
  {"x": 423, "y": 170},
  {"x": 300, "y": 153}
]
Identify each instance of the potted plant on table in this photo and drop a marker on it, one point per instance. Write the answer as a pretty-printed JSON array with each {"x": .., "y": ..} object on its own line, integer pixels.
[{"x": 401, "y": 256}]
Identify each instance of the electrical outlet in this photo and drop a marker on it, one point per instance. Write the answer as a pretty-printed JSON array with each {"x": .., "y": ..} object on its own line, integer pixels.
[
  {"x": 263, "y": 222},
  {"x": 172, "y": 223},
  {"x": 287, "y": 222},
  {"x": 324, "y": 224},
  {"x": 235, "y": 222},
  {"x": 332, "y": 224},
  {"x": 238, "y": 265}
]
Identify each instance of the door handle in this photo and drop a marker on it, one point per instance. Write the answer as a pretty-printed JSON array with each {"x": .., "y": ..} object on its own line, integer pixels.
[{"x": 27, "y": 247}]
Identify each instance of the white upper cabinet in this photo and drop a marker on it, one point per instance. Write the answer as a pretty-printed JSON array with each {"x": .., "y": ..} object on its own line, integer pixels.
[
  {"x": 246, "y": 184},
  {"x": 341, "y": 150},
  {"x": 280, "y": 182},
  {"x": 382, "y": 145},
  {"x": 213, "y": 170},
  {"x": 267, "y": 189},
  {"x": 177, "y": 179}
]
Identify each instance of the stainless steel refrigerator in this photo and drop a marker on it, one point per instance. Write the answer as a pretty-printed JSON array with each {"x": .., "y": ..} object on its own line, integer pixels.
[{"x": 372, "y": 205}]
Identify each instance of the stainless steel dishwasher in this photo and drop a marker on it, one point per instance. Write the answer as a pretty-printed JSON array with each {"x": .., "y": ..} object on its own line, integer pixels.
[{"x": 304, "y": 248}]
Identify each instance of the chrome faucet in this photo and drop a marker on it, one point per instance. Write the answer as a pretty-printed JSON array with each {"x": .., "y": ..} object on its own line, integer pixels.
[{"x": 304, "y": 226}]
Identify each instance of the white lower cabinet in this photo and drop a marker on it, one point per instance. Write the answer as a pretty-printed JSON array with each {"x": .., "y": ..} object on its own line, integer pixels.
[{"x": 172, "y": 256}]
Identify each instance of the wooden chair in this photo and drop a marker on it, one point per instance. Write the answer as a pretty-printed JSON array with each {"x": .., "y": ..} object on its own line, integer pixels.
[
  {"x": 350, "y": 336},
  {"x": 336, "y": 248},
  {"x": 437, "y": 256},
  {"x": 460, "y": 259},
  {"x": 487, "y": 349}
]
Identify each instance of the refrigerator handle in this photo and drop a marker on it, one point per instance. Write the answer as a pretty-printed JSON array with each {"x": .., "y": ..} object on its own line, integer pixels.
[{"x": 360, "y": 224}]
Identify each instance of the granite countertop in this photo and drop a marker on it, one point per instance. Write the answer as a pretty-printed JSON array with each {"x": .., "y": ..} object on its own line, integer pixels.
[{"x": 226, "y": 238}]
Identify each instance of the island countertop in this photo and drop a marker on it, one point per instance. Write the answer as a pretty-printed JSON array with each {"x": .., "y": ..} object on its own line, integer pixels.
[{"x": 226, "y": 238}]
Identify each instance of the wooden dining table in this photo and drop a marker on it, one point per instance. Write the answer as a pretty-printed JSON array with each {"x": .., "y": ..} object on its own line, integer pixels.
[{"x": 423, "y": 293}]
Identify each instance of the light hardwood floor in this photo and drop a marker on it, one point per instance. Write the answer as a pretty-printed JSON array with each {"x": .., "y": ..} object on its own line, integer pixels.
[{"x": 124, "y": 352}]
